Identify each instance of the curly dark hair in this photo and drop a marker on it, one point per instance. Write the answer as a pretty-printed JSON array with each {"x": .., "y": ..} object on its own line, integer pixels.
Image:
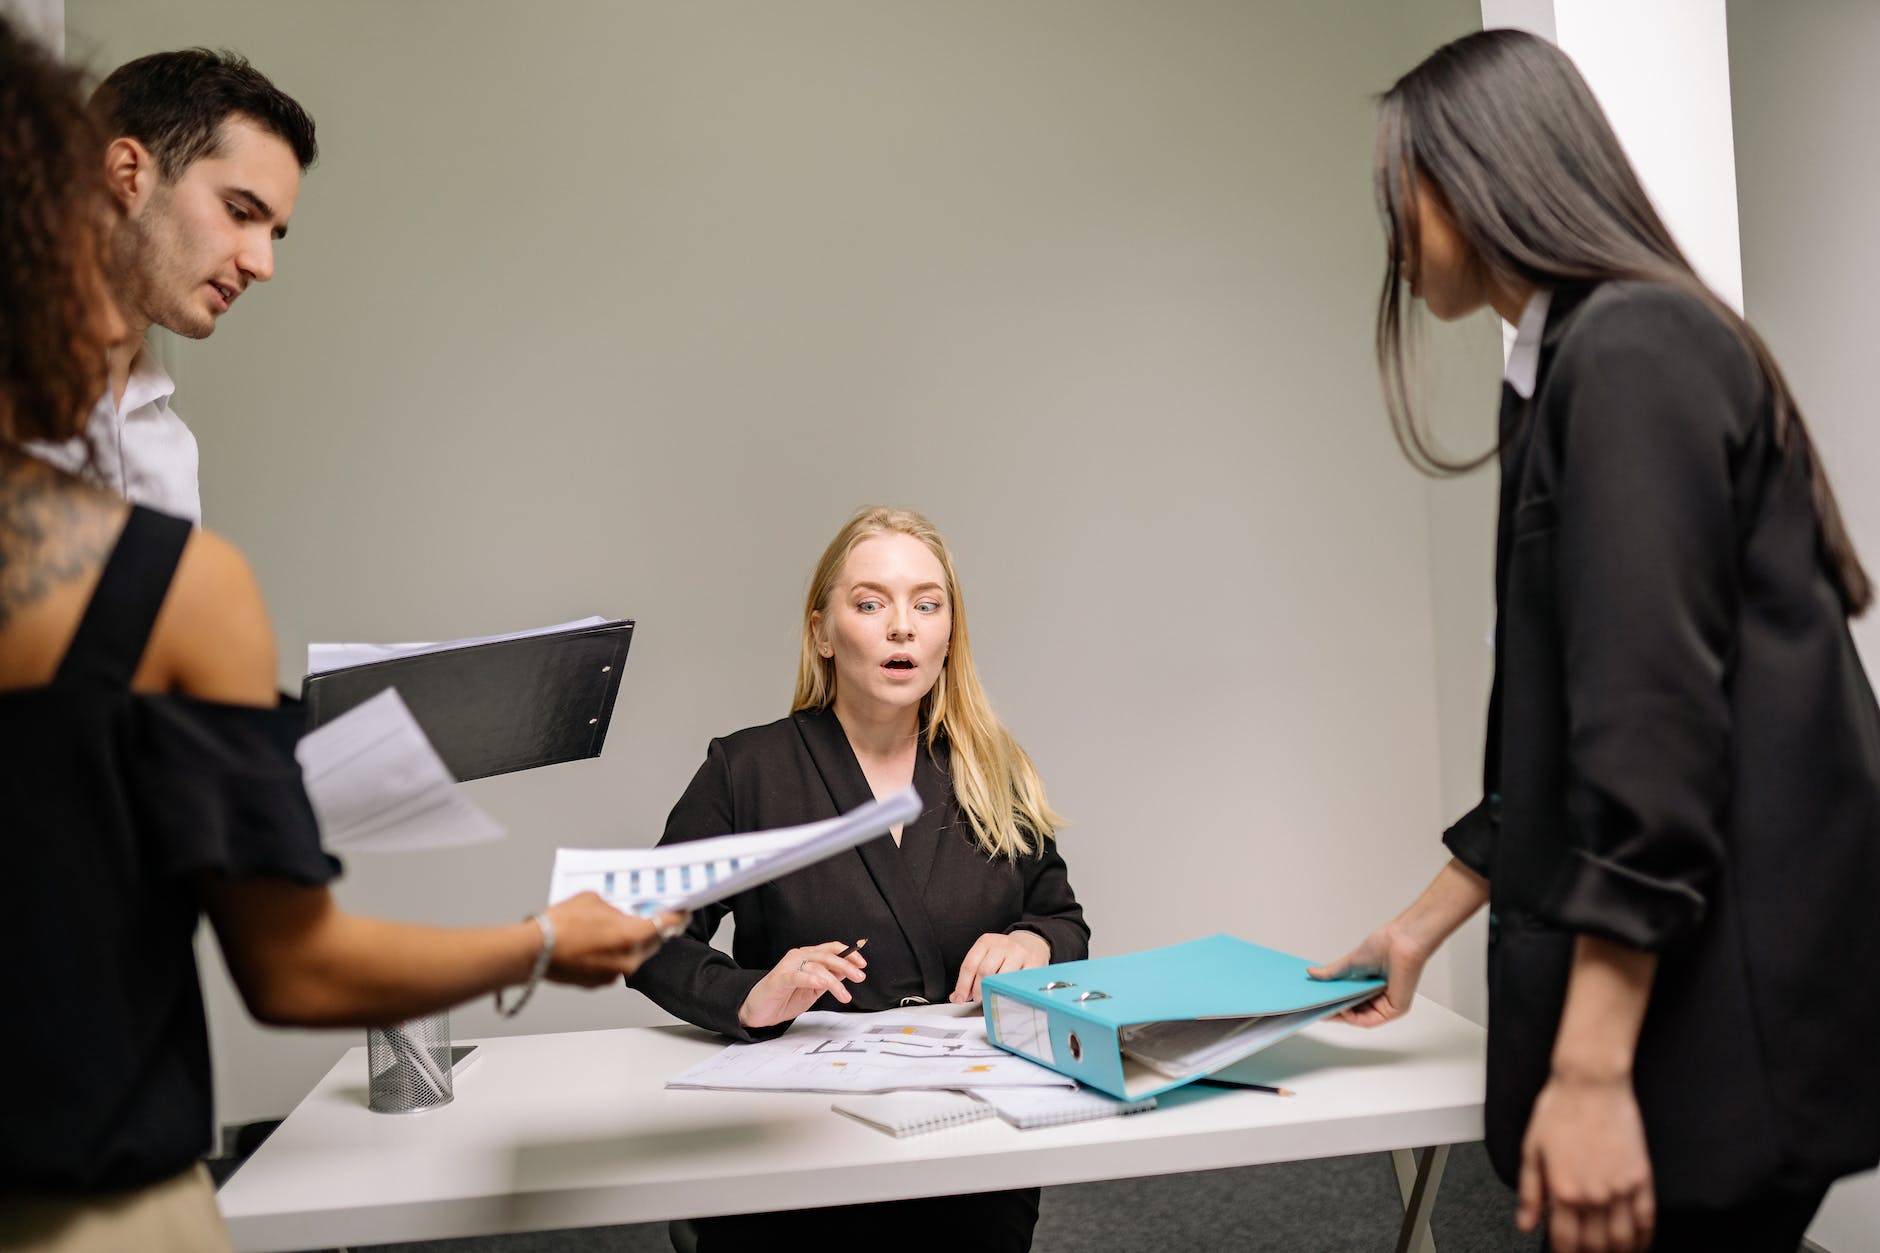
[{"x": 54, "y": 218}]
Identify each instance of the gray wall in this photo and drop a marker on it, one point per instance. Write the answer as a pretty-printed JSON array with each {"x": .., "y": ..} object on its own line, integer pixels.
[
  {"x": 45, "y": 18},
  {"x": 621, "y": 308},
  {"x": 1807, "y": 132}
]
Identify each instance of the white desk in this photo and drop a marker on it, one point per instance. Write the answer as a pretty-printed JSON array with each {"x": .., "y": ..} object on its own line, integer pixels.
[{"x": 576, "y": 1130}]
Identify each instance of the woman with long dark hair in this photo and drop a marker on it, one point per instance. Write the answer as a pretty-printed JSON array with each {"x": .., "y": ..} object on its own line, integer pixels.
[{"x": 1679, "y": 838}]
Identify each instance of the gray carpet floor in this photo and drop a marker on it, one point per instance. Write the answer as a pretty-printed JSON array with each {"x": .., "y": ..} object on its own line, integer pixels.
[{"x": 1334, "y": 1205}]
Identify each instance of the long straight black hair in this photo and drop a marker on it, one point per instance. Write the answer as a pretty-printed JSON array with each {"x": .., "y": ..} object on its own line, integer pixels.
[{"x": 1507, "y": 132}]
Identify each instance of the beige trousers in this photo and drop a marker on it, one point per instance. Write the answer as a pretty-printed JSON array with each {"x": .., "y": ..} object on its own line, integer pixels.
[{"x": 177, "y": 1215}]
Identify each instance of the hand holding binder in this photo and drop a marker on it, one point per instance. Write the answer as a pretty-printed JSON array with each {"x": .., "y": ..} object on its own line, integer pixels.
[
  {"x": 1142, "y": 1023},
  {"x": 1380, "y": 955}
]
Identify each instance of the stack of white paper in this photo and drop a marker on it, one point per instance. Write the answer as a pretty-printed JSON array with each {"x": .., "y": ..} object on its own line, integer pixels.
[
  {"x": 324, "y": 657},
  {"x": 1202, "y": 1046}
]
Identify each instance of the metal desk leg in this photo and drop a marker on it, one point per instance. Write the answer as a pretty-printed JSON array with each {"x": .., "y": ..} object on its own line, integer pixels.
[{"x": 1419, "y": 1173}]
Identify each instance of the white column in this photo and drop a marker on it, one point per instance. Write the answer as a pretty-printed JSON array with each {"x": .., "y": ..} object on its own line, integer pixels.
[{"x": 1661, "y": 71}]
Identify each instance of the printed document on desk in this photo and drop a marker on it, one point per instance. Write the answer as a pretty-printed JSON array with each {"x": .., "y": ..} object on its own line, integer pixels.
[
  {"x": 884, "y": 1052},
  {"x": 698, "y": 872}
]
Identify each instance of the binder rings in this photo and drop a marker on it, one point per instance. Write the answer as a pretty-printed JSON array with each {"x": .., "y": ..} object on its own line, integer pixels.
[
  {"x": 1143, "y": 1023},
  {"x": 496, "y": 706}
]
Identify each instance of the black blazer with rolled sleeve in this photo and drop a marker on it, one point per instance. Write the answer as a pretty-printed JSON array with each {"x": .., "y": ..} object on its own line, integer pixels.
[
  {"x": 1683, "y": 755},
  {"x": 921, "y": 905}
]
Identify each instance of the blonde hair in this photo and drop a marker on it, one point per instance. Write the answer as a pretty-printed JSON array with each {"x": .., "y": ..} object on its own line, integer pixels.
[{"x": 994, "y": 780}]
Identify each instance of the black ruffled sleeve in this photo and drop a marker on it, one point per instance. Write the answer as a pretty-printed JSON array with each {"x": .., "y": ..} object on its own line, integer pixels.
[{"x": 216, "y": 787}]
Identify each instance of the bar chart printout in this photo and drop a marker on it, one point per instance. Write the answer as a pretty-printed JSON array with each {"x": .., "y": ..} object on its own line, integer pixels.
[{"x": 697, "y": 872}]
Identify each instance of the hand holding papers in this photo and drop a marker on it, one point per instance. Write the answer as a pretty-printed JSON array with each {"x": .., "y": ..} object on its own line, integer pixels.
[
  {"x": 377, "y": 784},
  {"x": 699, "y": 872}
]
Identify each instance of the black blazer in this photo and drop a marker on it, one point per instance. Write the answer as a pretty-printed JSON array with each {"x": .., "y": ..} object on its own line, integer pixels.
[
  {"x": 921, "y": 905},
  {"x": 1683, "y": 755}
]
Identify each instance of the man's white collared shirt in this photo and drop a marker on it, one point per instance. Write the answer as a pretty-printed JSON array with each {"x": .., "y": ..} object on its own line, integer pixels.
[{"x": 141, "y": 448}]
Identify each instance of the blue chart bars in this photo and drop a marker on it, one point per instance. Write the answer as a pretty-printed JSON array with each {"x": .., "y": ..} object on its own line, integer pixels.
[{"x": 685, "y": 876}]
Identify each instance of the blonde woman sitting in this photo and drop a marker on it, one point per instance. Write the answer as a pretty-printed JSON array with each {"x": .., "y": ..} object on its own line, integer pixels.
[{"x": 886, "y": 694}]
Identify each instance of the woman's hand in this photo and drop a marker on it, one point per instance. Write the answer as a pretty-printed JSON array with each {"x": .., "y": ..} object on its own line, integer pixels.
[
  {"x": 795, "y": 983},
  {"x": 994, "y": 952},
  {"x": 1390, "y": 953},
  {"x": 1584, "y": 1163},
  {"x": 596, "y": 943},
  {"x": 1397, "y": 951}
]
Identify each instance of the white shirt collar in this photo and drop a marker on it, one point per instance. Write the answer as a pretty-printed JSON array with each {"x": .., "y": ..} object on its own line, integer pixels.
[
  {"x": 1524, "y": 359},
  {"x": 147, "y": 384}
]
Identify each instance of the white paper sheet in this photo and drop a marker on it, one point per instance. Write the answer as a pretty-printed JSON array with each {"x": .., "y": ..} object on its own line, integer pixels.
[
  {"x": 1202, "y": 1046},
  {"x": 885, "y": 1052},
  {"x": 324, "y": 657},
  {"x": 377, "y": 785},
  {"x": 698, "y": 872}
]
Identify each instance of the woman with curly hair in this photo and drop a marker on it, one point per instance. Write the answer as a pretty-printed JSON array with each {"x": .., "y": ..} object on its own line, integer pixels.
[{"x": 148, "y": 776}]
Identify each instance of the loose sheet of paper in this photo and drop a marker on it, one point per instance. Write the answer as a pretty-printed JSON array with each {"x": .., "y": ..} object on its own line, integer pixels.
[
  {"x": 377, "y": 785},
  {"x": 698, "y": 872},
  {"x": 324, "y": 657},
  {"x": 884, "y": 1052},
  {"x": 1202, "y": 1046}
]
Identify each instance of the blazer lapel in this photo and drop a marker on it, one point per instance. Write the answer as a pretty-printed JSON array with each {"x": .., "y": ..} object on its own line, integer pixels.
[
  {"x": 924, "y": 837},
  {"x": 842, "y": 774}
]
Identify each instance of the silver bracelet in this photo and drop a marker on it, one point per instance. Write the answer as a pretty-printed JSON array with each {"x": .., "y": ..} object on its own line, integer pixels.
[{"x": 542, "y": 958}]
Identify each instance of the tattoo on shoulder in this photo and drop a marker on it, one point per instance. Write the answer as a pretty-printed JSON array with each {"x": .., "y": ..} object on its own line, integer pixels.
[{"x": 51, "y": 532}]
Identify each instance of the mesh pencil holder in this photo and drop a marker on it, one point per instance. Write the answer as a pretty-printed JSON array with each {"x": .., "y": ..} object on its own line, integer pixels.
[{"x": 409, "y": 1065}]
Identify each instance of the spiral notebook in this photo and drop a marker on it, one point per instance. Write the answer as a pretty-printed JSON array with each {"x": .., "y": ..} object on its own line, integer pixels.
[
  {"x": 1026, "y": 1108},
  {"x": 902, "y": 1114}
]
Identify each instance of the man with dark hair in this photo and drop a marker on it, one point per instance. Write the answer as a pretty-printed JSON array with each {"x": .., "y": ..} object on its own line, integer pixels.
[{"x": 205, "y": 156}]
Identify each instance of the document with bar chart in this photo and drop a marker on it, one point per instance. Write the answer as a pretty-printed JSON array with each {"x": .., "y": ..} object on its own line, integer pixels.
[{"x": 698, "y": 872}]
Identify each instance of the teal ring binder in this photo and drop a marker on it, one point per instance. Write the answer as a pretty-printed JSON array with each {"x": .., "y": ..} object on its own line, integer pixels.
[{"x": 1234, "y": 997}]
